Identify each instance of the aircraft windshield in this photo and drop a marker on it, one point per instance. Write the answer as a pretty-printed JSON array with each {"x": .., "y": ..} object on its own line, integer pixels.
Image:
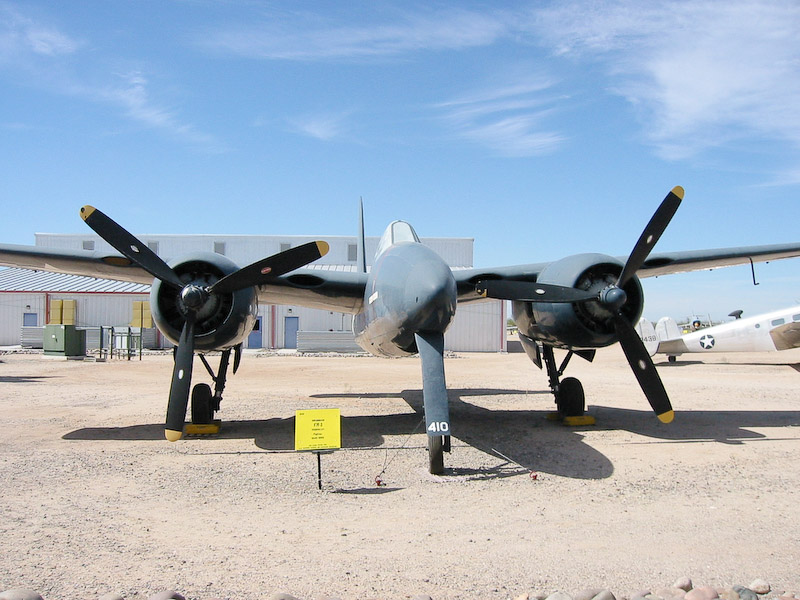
[{"x": 397, "y": 231}]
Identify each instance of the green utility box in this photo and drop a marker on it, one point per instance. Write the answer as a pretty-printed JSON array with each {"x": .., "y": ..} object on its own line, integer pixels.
[{"x": 64, "y": 340}]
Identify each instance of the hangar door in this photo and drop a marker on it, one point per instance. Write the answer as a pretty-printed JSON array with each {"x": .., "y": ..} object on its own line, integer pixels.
[
  {"x": 256, "y": 339},
  {"x": 290, "y": 327}
]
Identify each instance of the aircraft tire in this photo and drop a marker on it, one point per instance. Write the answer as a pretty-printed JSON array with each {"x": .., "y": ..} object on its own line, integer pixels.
[
  {"x": 571, "y": 398},
  {"x": 436, "y": 454},
  {"x": 202, "y": 413}
]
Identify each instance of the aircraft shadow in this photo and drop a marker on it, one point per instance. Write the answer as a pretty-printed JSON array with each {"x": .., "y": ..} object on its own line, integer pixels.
[
  {"x": 23, "y": 378},
  {"x": 677, "y": 363},
  {"x": 724, "y": 426},
  {"x": 524, "y": 440}
]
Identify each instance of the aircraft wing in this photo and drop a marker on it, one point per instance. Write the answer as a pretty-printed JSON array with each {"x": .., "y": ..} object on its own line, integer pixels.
[
  {"x": 667, "y": 263},
  {"x": 314, "y": 288},
  {"x": 326, "y": 289},
  {"x": 662, "y": 263},
  {"x": 74, "y": 262}
]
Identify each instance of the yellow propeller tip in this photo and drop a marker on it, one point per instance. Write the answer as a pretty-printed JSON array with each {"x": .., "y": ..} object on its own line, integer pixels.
[
  {"x": 323, "y": 248},
  {"x": 667, "y": 417},
  {"x": 678, "y": 191},
  {"x": 86, "y": 211},
  {"x": 172, "y": 435}
]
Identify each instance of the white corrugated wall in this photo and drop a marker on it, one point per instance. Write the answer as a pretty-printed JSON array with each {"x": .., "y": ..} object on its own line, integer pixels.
[
  {"x": 12, "y": 307},
  {"x": 478, "y": 327},
  {"x": 92, "y": 310}
]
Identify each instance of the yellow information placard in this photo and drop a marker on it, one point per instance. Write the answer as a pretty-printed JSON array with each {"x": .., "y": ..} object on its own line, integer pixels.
[{"x": 318, "y": 429}]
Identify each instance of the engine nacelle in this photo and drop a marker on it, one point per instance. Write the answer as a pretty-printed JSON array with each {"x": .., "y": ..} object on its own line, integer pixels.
[
  {"x": 578, "y": 325},
  {"x": 222, "y": 322}
]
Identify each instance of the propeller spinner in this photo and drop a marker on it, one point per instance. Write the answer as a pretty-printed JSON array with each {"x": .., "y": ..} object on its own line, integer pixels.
[
  {"x": 612, "y": 298},
  {"x": 194, "y": 297}
]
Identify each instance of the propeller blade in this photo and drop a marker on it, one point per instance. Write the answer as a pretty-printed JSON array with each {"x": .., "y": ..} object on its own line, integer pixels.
[
  {"x": 643, "y": 368},
  {"x": 237, "y": 357},
  {"x": 658, "y": 223},
  {"x": 181, "y": 381},
  {"x": 531, "y": 292},
  {"x": 128, "y": 245},
  {"x": 268, "y": 268}
]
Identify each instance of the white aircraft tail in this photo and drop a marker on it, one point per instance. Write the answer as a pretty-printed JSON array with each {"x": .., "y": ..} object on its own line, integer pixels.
[
  {"x": 667, "y": 329},
  {"x": 645, "y": 330}
]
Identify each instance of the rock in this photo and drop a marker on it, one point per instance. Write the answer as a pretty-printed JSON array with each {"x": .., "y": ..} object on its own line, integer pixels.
[
  {"x": 684, "y": 583},
  {"x": 640, "y": 595},
  {"x": 702, "y": 593},
  {"x": 559, "y": 596},
  {"x": 671, "y": 593},
  {"x": 419, "y": 597},
  {"x": 745, "y": 593},
  {"x": 20, "y": 594},
  {"x": 759, "y": 586},
  {"x": 523, "y": 597},
  {"x": 728, "y": 594},
  {"x": 111, "y": 596},
  {"x": 586, "y": 594},
  {"x": 167, "y": 595},
  {"x": 281, "y": 596}
]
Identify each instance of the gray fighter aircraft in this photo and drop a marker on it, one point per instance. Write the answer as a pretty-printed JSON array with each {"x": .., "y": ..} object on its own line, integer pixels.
[{"x": 402, "y": 306}]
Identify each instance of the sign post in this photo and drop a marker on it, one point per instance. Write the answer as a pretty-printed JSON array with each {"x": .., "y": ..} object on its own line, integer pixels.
[{"x": 318, "y": 431}]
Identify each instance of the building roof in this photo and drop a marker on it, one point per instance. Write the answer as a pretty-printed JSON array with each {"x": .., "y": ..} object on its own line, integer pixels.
[{"x": 25, "y": 280}]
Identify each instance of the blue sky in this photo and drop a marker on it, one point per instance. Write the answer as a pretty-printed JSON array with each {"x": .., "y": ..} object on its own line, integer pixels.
[{"x": 540, "y": 129}]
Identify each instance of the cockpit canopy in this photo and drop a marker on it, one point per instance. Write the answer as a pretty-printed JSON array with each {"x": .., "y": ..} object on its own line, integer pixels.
[{"x": 396, "y": 232}]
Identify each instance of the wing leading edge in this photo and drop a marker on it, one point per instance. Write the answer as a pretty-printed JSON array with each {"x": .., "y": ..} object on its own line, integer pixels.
[
  {"x": 344, "y": 291},
  {"x": 313, "y": 288},
  {"x": 662, "y": 263}
]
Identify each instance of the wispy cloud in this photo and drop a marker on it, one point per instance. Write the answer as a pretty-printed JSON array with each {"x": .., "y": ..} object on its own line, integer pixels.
[
  {"x": 48, "y": 59},
  {"x": 702, "y": 74},
  {"x": 130, "y": 92},
  {"x": 302, "y": 37},
  {"x": 508, "y": 119},
  {"x": 322, "y": 126},
  {"x": 21, "y": 36}
]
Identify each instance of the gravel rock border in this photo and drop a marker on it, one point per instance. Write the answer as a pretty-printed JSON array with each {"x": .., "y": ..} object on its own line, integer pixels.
[{"x": 682, "y": 589}]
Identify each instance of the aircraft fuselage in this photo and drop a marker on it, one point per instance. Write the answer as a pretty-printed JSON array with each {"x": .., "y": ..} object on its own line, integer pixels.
[{"x": 410, "y": 289}]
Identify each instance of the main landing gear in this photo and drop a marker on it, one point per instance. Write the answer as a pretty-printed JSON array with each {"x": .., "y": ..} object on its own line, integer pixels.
[
  {"x": 437, "y": 446},
  {"x": 568, "y": 392},
  {"x": 204, "y": 402}
]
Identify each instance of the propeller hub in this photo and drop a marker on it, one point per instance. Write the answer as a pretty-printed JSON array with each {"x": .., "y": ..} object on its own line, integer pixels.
[
  {"x": 193, "y": 297},
  {"x": 613, "y": 297}
]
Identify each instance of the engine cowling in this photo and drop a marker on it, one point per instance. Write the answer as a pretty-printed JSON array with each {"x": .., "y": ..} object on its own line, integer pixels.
[
  {"x": 579, "y": 325},
  {"x": 223, "y": 321}
]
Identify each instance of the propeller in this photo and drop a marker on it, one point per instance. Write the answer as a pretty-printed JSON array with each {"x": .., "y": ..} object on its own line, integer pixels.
[
  {"x": 194, "y": 297},
  {"x": 613, "y": 298}
]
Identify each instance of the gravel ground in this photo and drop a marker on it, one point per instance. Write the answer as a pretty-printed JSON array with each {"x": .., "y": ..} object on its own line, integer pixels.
[{"x": 94, "y": 499}]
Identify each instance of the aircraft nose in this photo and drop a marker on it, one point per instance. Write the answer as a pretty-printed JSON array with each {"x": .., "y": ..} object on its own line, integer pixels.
[{"x": 430, "y": 296}]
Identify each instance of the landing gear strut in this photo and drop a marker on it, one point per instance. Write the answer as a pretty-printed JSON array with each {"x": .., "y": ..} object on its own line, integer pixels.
[
  {"x": 204, "y": 404},
  {"x": 568, "y": 392}
]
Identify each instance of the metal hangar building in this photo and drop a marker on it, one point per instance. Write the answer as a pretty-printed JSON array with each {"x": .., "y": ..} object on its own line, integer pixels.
[{"x": 27, "y": 297}]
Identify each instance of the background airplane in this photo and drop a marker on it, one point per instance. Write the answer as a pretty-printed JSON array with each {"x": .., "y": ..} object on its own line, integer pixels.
[
  {"x": 768, "y": 332},
  {"x": 402, "y": 306}
]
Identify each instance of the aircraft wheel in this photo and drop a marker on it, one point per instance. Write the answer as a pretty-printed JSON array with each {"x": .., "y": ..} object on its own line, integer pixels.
[
  {"x": 672, "y": 359},
  {"x": 571, "y": 398},
  {"x": 436, "y": 454},
  {"x": 202, "y": 413}
]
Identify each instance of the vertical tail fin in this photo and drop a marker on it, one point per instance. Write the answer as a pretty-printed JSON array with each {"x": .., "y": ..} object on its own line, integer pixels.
[{"x": 362, "y": 246}]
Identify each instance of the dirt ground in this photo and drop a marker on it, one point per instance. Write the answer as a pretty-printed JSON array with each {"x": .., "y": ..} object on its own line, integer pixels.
[{"x": 94, "y": 500}]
